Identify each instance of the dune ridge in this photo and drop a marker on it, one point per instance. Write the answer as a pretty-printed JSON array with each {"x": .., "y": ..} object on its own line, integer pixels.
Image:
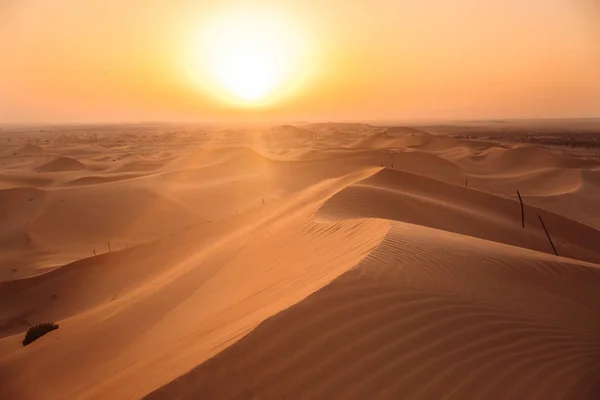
[
  {"x": 416, "y": 319},
  {"x": 61, "y": 164},
  {"x": 321, "y": 261}
]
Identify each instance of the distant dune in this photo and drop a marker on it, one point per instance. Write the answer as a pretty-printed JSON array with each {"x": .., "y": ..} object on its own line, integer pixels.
[
  {"x": 322, "y": 261},
  {"x": 61, "y": 164},
  {"x": 28, "y": 149}
]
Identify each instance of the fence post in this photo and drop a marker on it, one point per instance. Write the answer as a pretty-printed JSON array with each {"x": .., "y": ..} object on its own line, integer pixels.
[
  {"x": 547, "y": 234},
  {"x": 522, "y": 210}
]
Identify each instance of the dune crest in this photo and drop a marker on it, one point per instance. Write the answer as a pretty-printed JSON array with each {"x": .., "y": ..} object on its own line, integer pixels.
[
  {"x": 58, "y": 164},
  {"x": 316, "y": 261},
  {"x": 419, "y": 319}
]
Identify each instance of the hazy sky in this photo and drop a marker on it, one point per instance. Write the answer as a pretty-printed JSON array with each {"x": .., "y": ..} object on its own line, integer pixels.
[{"x": 115, "y": 60}]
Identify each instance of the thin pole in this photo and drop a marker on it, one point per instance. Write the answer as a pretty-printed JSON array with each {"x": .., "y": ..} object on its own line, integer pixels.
[
  {"x": 467, "y": 183},
  {"x": 522, "y": 210},
  {"x": 547, "y": 234},
  {"x": 109, "y": 250}
]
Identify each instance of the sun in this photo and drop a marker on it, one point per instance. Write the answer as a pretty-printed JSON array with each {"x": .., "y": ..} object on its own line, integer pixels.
[{"x": 250, "y": 57}]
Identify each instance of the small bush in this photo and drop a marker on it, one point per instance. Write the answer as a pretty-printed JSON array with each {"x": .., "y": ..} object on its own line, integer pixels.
[{"x": 37, "y": 331}]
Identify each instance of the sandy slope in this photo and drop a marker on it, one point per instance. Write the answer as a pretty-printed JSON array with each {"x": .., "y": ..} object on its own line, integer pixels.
[
  {"x": 427, "y": 315},
  {"x": 229, "y": 285},
  {"x": 322, "y": 261}
]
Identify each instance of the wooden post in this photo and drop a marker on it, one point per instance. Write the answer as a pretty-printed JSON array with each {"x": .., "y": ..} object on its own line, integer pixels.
[
  {"x": 547, "y": 234},
  {"x": 94, "y": 250},
  {"x": 467, "y": 183},
  {"x": 522, "y": 210},
  {"x": 109, "y": 250},
  {"x": 263, "y": 200}
]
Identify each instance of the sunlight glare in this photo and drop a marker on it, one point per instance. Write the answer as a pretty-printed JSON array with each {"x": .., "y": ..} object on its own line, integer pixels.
[{"x": 250, "y": 57}]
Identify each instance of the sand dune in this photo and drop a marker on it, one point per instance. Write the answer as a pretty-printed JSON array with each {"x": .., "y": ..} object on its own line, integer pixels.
[
  {"x": 320, "y": 261},
  {"x": 542, "y": 182},
  {"x": 17, "y": 180},
  {"x": 97, "y": 180},
  {"x": 419, "y": 319},
  {"x": 61, "y": 164},
  {"x": 139, "y": 165},
  {"x": 207, "y": 157},
  {"x": 28, "y": 149},
  {"x": 401, "y": 196},
  {"x": 376, "y": 140},
  {"x": 579, "y": 204},
  {"x": 434, "y": 144},
  {"x": 230, "y": 284},
  {"x": 524, "y": 158},
  {"x": 18, "y": 207}
]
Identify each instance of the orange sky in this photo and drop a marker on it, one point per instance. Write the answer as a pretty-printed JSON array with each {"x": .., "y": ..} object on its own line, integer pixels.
[{"x": 112, "y": 61}]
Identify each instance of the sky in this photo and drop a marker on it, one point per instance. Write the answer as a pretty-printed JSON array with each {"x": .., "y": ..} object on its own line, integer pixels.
[{"x": 65, "y": 61}]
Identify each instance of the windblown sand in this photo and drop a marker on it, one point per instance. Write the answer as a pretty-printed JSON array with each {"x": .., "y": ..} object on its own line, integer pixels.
[{"x": 323, "y": 261}]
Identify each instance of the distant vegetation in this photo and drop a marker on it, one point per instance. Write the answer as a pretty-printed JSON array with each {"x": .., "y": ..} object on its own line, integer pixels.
[
  {"x": 582, "y": 133},
  {"x": 37, "y": 331}
]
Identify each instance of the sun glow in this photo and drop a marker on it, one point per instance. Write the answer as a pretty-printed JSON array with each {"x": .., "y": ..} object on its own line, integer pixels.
[{"x": 250, "y": 58}]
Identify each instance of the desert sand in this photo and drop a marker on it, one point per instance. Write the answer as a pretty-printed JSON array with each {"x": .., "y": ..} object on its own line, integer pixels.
[{"x": 313, "y": 261}]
